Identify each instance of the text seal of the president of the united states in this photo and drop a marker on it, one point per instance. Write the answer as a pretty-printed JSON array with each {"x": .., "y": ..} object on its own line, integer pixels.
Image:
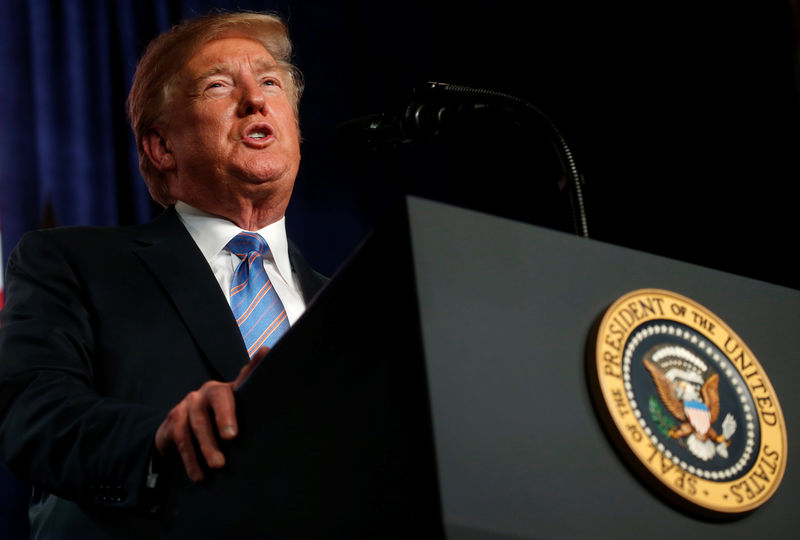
[{"x": 687, "y": 403}]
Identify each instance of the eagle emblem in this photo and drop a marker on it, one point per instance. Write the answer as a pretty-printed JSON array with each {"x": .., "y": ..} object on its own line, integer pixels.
[{"x": 689, "y": 389}]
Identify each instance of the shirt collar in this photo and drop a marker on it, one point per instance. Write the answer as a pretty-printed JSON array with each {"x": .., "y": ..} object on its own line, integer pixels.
[{"x": 212, "y": 233}]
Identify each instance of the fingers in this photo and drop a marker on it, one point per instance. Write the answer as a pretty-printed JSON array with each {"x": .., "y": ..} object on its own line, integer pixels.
[
  {"x": 219, "y": 398},
  {"x": 190, "y": 422},
  {"x": 202, "y": 427},
  {"x": 174, "y": 432}
]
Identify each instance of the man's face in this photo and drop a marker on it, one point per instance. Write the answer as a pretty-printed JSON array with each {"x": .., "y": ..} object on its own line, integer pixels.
[{"x": 232, "y": 129}]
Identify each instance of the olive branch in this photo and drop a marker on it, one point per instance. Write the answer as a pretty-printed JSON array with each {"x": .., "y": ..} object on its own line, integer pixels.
[{"x": 661, "y": 419}]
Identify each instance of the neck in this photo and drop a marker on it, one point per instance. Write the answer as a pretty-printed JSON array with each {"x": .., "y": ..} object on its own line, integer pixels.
[
  {"x": 248, "y": 211},
  {"x": 248, "y": 216},
  {"x": 249, "y": 205}
]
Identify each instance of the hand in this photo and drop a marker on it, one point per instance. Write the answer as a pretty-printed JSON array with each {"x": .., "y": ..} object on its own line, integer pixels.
[{"x": 190, "y": 421}]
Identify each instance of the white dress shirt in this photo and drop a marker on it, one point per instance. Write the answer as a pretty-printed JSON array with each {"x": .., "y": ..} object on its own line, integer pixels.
[{"x": 212, "y": 234}]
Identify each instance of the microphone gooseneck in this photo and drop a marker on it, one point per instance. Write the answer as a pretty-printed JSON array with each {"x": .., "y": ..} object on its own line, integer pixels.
[
  {"x": 438, "y": 106},
  {"x": 574, "y": 178}
]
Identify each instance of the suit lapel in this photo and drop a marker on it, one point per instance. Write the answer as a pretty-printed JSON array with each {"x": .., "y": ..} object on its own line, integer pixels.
[
  {"x": 168, "y": 250},
  {"x": 310, "y": 280}
]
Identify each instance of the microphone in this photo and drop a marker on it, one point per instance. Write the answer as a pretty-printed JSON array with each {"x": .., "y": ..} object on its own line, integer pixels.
[{"x": 431, "y": 112}]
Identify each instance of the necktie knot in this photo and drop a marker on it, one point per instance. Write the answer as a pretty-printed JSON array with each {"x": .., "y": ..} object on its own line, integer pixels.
[{"x": 245, "y": 244}]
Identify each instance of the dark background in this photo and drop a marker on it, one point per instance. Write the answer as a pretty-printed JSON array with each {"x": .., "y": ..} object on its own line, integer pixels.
[{"x": 683, "y": 118}]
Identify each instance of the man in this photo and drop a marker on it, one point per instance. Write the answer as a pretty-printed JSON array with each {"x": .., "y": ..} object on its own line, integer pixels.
[{"x": 116, "y": 343}]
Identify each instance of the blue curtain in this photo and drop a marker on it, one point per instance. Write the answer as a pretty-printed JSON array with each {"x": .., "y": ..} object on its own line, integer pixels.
[{"x": 68, "y": 155}]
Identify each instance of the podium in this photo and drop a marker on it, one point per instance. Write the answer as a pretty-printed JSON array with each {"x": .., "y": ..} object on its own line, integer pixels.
[{"x": 437, "y": 388}]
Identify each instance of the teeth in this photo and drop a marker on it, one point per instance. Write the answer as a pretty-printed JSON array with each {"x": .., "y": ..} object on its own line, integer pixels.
[{"x": 258, "y": 135}]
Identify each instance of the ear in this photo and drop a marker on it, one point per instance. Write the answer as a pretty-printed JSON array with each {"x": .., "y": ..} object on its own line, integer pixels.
[{"x": 158, "y": 151}]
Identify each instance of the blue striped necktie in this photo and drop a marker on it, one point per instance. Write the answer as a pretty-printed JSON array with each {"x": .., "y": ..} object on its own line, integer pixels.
[{"x": 258, "y": 310}]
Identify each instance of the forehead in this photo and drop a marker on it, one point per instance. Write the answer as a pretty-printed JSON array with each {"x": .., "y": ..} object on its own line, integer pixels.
[{"x": 229, "y": 53}]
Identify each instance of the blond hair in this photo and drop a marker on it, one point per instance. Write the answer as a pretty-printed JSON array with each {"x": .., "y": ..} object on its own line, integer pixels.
[{"x": 157, "y": 72}]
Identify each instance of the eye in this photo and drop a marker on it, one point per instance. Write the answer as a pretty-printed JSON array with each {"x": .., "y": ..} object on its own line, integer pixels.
[{"x": 214, "y": 86}]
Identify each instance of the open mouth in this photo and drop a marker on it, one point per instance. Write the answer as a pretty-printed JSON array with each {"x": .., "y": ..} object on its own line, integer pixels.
[{"x": 258, "y": 132}]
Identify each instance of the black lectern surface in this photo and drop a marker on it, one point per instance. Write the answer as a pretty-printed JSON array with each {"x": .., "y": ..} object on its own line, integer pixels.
[{"x": 466, "y": 333}]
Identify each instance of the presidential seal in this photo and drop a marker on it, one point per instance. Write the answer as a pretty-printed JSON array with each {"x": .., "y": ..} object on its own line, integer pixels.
[{"x": 687, "y": 403}]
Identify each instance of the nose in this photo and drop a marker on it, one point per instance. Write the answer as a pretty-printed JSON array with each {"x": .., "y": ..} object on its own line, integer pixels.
[{"x": 252, "y": 99}]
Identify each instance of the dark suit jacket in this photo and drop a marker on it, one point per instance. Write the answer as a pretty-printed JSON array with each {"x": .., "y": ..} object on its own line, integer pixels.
[{"x": 104, "y": 330}]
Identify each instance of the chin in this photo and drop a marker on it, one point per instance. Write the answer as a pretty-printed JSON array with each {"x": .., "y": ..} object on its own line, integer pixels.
[
  {"x": 269, "y": 183},
  {"x": 257, "y": 172}
]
